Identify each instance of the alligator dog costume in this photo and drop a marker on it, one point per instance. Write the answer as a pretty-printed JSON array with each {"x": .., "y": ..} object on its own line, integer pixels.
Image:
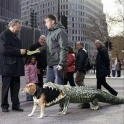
[{"x": 66, "y": 94}]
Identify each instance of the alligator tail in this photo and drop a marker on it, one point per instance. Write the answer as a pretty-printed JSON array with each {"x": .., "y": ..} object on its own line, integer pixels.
[{"x": 108, "y": 98}]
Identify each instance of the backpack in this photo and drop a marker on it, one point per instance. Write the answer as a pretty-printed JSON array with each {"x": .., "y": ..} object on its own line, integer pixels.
[{"x": 88, "y": 64}]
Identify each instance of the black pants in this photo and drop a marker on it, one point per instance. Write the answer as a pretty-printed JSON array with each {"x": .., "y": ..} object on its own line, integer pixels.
[
  {"x": 109, "y": 73},
  {"x": 102, "y": 81},
  {"x": 13, "y": 83},
  {"x": 70, "y": 78},
  {"x": 118, "y": 73},
  {"x": 40, "y": 78}
]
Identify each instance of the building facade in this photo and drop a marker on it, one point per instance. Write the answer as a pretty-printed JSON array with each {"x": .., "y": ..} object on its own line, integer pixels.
[
  {"x": 10, "y": 9},
  {"x": 77, "y": 12}
]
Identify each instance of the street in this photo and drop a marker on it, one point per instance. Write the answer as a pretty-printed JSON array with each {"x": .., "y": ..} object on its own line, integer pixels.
[{"x": 108, "y": 114}]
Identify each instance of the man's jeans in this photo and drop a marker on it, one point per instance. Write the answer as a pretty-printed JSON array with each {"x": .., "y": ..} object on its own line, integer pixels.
[{"x": 55, "y": 76}]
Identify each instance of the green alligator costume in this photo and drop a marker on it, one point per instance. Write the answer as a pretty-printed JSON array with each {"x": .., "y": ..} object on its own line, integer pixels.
[{"x": 81, "y": 94}]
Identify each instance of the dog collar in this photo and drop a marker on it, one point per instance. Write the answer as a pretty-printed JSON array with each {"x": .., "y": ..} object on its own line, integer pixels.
[{"x": 38, "y": 92}]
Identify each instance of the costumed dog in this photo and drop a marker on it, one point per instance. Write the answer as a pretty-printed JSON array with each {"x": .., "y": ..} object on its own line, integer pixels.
[
  {"x": 42, "y": 97},
  {"x": 52, "y": 93}
]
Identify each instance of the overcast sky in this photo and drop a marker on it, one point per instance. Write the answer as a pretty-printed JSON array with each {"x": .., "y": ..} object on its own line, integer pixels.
[{"x": 111, "y": 8}]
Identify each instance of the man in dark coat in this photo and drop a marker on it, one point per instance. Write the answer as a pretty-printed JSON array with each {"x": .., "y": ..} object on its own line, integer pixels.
[
  {"x": 41, "y": 58},
  {"x": 11, "y": 65},
  {"x": 102, "y": 67},
  {"x": 81, "y": 58}
]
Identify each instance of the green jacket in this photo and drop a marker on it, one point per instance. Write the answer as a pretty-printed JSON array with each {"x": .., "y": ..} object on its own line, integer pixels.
[{"x": 56, "y": 46}]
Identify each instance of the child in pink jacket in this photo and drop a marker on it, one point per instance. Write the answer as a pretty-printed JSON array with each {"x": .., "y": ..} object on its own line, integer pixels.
[{"x": 31, "y": 74}]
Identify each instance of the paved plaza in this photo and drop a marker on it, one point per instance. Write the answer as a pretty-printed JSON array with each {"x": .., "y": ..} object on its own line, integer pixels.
[{"x": 108, "y": 114}]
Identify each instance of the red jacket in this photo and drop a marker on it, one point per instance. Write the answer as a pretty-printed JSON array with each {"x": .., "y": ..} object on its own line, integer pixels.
[{"x": 71, "y": 63}]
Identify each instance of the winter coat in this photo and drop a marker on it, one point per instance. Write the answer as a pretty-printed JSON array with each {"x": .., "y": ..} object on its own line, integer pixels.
[
  {"x": 31, "y": 73},
  {"x": 56, "y": 46},
  {"x": 71, "y": 63},
  {"x": 81, "y": 58},
  {"x": 40, "y": 57},
  {"x": 113, "y": 67},
  {"x": 102, "y": 62},
  {"x": 11, "y": 61},
  {"x": 118, "y": 66}
]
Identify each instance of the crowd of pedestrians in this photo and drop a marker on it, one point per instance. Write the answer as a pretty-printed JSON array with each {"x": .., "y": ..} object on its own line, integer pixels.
[{"x": 54, "y": 55}]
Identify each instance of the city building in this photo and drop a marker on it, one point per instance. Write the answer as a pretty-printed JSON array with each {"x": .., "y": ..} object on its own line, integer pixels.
[
  {"x": 11, "y": 9},
  {"x": 77, "y": 12}
]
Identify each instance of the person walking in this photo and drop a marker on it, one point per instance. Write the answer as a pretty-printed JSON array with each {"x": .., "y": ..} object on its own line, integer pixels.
[
  {"x": 11, "y": 65},
  {"x": 118, "y": 68},
  {"x": 102, "y": 67},
  {"x": 40, "y": 58},
  {"x": 31, "y": 72},
  {"x": 81, "y": 58},
  {"x": 57, "y": 50},
  {"x": 70, "y": 68},
  {"x": 81, "y": 63},
  {"x": 113, "y": 69}
]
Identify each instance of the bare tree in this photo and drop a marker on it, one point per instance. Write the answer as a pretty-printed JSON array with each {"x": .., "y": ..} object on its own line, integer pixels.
[
  {"x": 119, "y": 18},
  {"x": 118, "y": 46},
  {"x": 96, "y": 27}
]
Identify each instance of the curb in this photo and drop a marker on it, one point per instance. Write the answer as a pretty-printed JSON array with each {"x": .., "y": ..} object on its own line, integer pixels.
[{"x": 93, "y": 77}]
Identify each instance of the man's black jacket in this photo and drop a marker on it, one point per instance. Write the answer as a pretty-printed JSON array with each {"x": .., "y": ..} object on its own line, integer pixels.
[
  {"x": 40, "y": 57},
  {"x": 11, "y": 61},
  {"x": 81, "y": 58},
  {"x": 102, "y": 62}
]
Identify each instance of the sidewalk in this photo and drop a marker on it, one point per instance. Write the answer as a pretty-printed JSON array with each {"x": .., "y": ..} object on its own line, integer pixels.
[
  {"x": 106, "y": 115},
  {"x": 93, "y": 76},
  {"x": 90, "y": 75}
]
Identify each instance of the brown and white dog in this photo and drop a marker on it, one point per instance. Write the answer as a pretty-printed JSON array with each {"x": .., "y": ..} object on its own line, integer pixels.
[{"x": 42, "y": 97}]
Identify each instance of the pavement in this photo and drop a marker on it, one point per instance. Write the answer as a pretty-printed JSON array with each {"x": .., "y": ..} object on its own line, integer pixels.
[{"x": 108, "y": 114}]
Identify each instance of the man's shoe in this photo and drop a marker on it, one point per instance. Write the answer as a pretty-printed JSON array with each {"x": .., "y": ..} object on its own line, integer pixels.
[
  {"x": 5, "y": 110},
  {"x": 84, "y": 105},
  {"x": 115, "y": 94},
  {"x": 17, "y": 109}
]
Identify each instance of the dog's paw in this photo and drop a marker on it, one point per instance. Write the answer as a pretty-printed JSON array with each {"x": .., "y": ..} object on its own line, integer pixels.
[
  {"x": 40, "y": 117},
  {"x": 29, "y": 115},
  {"x": 59, "y": 113}
]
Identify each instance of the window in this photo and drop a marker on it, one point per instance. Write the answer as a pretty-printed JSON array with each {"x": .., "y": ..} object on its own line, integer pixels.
[
  {"x": 72, "y": 31},
  {"x": 72, "y": 18},
  {"x": 66, "y": 12},
  {"x": 63, "y": 6},
  {"x": 73, "y": 25},
  {"x": 79, "y": 38},
  {"x": 66, "y": 6}
]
